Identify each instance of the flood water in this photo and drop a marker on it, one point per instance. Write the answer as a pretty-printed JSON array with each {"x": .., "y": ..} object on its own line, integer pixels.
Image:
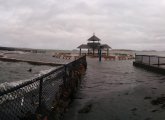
[
  {"x": 15, "y": 71},
  {"x": 117, "y": 90}
]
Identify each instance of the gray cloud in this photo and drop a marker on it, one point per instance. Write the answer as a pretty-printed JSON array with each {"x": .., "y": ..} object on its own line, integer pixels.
[{"x": 130, "y": 24}]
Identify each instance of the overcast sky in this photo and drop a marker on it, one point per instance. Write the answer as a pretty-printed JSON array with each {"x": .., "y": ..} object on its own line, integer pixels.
[{"x": 65, "y": 24}]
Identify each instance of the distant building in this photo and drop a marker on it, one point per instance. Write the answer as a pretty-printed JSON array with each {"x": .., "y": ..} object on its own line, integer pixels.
[{"x": 94, "y": 45}]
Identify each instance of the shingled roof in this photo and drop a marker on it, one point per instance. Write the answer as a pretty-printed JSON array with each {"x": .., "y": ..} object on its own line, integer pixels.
[
  {"x": 106, "y": 46},
  {"x": 93, "y": 38},
  {"x": 84, "y": 46}
]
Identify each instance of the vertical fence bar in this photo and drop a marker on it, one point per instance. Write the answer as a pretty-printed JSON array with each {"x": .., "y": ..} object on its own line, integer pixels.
[
  {"x": 64, "y": 77},
  {"x": 158, "y": 61},
  {"x": 40, "y": 92},
  {"x": 149, "y": 60}
]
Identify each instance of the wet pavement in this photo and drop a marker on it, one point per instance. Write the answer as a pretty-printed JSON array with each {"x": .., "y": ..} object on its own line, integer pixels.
[{"x": 116, "y": 90}]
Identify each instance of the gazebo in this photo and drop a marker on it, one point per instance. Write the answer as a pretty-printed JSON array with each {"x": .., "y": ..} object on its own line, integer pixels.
[{"x": 94, "y": 44}]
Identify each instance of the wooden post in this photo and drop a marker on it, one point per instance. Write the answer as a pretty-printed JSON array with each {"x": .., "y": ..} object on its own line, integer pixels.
[
  {"x": 40, "y": 92},
  {"x": 107, "y": 51},
  {"x": 80, "y": 51},
  {"x": 100, "y": 55},
  {"x": 65, "y": 75},
  {"x": 158, "y": 61}
]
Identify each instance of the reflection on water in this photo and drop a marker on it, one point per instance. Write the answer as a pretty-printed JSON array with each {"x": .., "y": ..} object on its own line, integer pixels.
[{"x": 116, "y": 90}]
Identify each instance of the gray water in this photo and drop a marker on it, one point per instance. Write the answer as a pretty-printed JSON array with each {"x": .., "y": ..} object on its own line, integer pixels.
[
  {"x": 117, "y": 90},
  {"x": 157, "y": 53},
  {"x": 41, "y": 57},
  {"x": 15, "y": 71}
]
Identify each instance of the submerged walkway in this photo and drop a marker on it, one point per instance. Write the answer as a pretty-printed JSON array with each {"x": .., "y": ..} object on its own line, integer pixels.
[{"x": 116, "y": 90}]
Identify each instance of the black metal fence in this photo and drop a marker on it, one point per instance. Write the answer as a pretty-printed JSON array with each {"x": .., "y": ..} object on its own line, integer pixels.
[
  {"x": 150, "y": 59},
  {"x": 31, "y": 100}
]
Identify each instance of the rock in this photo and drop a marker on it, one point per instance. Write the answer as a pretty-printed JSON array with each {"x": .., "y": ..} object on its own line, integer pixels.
[
  {"x": 126, "y": 93},
  {"x": 134, "y": 109},
  {"x": 163, "y": 106},
  {"x": 86, "y": 109},
  {"x": 153, "y": 88},
  {"x": 30, "y": 69},
  {"x": 148, "y": 118},
  {"x": 154, "y": 110},
  {"x": 147, "y": 97},
  {"x": 159, "y": 100}
]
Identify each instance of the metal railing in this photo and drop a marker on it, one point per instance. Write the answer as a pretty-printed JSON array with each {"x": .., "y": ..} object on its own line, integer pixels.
[
  {"x": 150, "y": 59},
  {"x": 39, "y": 95}
]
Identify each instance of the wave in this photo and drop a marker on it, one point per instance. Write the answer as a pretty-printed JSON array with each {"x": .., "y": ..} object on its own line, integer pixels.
[{"x": 7, "y": 85}]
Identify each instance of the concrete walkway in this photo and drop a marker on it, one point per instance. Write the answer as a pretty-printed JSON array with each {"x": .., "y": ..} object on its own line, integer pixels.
[{"x": 116, "y": 90}]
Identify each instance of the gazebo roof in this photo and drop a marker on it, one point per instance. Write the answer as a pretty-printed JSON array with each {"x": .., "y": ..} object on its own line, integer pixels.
[
  {"x": 84, "y": 46},
  {"x": 93, "y": 38},
  {"x": 106, "y": 46}
]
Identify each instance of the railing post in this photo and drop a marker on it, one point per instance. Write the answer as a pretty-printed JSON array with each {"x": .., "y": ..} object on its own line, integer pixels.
[
  {"x": 158, "y": 61},
  {"x": 149, "y": 60},
  {"x": 40, "y": 92},
  {"x": 64, "y": 78}
]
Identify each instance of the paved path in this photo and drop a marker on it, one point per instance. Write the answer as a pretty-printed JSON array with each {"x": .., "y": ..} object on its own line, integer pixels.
[{"x": 115, "y": 90}]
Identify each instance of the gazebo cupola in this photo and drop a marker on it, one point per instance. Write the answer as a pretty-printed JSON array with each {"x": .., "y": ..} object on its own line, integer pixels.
[{"x": 93, "y": 42}]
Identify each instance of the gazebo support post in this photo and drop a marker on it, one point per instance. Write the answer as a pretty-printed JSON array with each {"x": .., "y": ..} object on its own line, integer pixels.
[
  {"x": 80, "y": 51},
  {"x": 107, "y": 51},
  {"x": 100, "y": 55}
]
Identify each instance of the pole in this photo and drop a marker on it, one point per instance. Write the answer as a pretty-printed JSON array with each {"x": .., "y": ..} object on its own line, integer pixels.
[
  {"x": 158, "y": 61},
  {"x": 108, "y": 52},
  {"x": 93, "y": 51},
  {"x": 100, "y": 55},
  {"x": 65, "y": 75},
  {"x": 40, "y": 92},
  {"x": 80, "y": 51}
]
